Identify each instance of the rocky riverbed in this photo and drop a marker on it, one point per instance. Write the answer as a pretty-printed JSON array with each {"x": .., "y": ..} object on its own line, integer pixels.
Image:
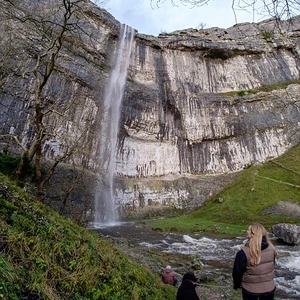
[
  {"x": 210, "y": 258},
  {"x": 130, "y": 238}
]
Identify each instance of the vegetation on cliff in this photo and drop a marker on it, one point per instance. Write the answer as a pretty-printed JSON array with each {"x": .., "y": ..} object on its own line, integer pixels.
[
  {"x": 249, "y": 198},
  {"x": 265, "y": 88},
  {"x": 46, "y": 256}
]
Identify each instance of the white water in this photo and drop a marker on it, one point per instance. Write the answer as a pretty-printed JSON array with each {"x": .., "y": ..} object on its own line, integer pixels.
[
  {"x": 287, "y": 267},
  {"x": 289, "y": 259},
  {"x": 113, "y": 95},
  {"x": 216, "y": 256}
]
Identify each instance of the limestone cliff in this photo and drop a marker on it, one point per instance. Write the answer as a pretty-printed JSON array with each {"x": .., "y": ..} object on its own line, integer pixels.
[
  {"x": 196, "y": 129},
  {"x": 189, "y": 107}
]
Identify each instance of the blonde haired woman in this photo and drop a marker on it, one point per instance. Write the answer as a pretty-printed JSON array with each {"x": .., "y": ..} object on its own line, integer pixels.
[{"x": 253, "y": 269}]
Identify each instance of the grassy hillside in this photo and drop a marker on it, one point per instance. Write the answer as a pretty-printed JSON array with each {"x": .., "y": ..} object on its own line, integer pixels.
[
  {"x": 244, "y": 200},
  {"x": 46, "y": 256}
]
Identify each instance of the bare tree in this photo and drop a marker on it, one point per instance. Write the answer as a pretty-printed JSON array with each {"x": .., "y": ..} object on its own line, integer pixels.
[
  {"x": 50, "y": 25},
  {"x": 191, "y": 3},
  {"x": 201, "y": 25},
  {"x": 279, "y": 9}
]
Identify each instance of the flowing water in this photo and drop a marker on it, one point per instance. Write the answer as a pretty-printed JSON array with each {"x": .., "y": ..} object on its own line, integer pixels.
[
  {"x": 212, "y": 250},
  {"x": 216, "y": 255},
  {"x": 113, "y": 96}
]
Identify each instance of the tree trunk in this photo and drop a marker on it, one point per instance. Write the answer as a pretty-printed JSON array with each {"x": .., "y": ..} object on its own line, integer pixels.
[
  {"x": 24, "y": 163},
  {"x": 38, "y": 173}
]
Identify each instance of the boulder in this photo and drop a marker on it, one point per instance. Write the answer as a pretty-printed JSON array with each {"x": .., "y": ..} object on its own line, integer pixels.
[{"x": 290, "y": 233}]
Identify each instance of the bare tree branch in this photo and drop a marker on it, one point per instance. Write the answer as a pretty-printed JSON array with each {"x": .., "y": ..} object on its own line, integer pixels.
[
  {"x": 15, "y": 138},
  {"x": 279, "y": 9},
  {"x": 51, "y": 28}
]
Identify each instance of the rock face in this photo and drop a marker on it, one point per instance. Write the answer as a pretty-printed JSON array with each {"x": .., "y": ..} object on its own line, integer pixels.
[
  {"x": 286, "y": 208},
  {"x": 187, "y": 112},
  {"x": 196, "y": 129},
  {"x": 290, "y": 233}
]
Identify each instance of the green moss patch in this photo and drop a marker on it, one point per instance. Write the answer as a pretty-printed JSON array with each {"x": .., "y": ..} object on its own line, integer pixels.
[{"x": 244, "y": 200}]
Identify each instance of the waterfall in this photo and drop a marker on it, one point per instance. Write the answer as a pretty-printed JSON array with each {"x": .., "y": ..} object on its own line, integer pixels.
[{"x": 113, "y": 96}]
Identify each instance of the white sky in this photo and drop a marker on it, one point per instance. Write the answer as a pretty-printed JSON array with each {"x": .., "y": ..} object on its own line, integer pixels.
[{"x": 167, "y": 18}]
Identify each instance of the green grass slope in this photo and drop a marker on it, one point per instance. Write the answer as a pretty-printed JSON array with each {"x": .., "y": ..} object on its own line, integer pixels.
[
  {"x": 46, "y": 256},
  {"x": 244, "y": 200}
]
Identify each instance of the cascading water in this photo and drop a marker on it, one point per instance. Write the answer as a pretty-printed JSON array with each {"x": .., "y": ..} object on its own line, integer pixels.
[
  {"x": 113, "y": 95},
  {"x": 287, "y": 265},
  {"x": 215, "y": 255}
]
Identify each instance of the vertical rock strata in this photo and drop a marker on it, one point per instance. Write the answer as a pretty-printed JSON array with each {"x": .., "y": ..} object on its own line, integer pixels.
[
  {"x": 180, "y": 116},
  {"x": 189, "y": 109}
]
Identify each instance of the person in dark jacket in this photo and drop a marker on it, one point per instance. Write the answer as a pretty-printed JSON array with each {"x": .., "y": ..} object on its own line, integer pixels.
[
  {"x": 253, "y": 269},
  {"x": 187, "y": 289}
]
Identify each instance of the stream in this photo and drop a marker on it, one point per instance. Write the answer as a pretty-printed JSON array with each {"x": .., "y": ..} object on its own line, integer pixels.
[{"x": 216, "y": 255}]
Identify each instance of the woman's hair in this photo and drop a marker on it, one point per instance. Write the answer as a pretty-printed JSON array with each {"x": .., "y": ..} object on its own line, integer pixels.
[{"x": 258, "y": 233}]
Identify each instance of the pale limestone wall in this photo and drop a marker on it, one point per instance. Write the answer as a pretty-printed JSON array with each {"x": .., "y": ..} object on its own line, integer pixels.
[
  {"x": 183, "y": 125},
  {"x": 174, "y": 121}
]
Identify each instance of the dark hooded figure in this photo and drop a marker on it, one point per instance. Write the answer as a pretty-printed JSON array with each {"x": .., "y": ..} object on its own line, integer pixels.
[{"x": 187, "y": 289}]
